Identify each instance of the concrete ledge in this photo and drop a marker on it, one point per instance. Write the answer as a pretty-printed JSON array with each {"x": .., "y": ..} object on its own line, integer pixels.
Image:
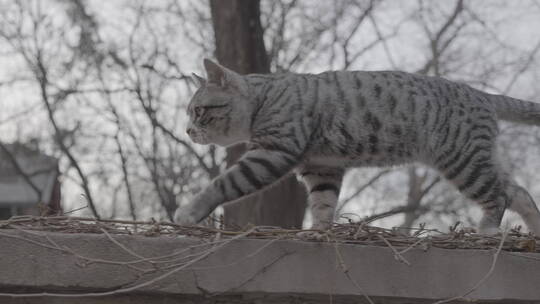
[{"x": 254, "y": 270}]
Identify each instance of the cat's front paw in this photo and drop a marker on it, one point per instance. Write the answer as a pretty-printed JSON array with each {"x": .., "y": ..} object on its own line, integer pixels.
[
  {"x": 194, "y": 211},
  {"x": 191, "y": 213},
  {"x": 186, "y": 215}
]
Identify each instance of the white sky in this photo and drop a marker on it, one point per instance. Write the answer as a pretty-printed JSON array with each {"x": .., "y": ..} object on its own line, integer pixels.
[{"x": 516, "y": 24}]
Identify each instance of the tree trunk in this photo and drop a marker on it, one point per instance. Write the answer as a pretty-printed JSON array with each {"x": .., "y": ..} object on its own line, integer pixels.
[
  {"x": 414, "y": 197},
  {"x": 240, "y": 47}
]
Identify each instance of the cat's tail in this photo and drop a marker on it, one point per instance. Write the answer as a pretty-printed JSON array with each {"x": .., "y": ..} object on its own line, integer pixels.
[{"x": 516, "y": 110}]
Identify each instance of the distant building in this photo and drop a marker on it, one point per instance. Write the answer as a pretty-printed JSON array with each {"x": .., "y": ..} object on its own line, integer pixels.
[{"x": 18, "y": 195}]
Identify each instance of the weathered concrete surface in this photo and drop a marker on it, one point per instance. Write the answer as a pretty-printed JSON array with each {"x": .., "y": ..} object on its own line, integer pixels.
[{"x": 255, "y": 271}]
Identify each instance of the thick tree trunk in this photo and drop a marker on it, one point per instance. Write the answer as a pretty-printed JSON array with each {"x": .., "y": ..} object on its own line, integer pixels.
[{"x": 240, "y": 47}]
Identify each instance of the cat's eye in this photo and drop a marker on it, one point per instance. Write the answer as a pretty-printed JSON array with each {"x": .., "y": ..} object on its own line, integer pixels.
[
  {"x": 198, "y": 111},
  {"x": 215, "y": 106}
]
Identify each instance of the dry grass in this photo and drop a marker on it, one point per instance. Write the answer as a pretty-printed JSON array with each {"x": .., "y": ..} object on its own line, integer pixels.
[{"x": 354, "y": 233}]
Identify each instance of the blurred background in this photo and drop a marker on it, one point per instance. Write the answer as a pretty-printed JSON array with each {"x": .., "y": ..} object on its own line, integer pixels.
[{"x": 93, "y": 97}]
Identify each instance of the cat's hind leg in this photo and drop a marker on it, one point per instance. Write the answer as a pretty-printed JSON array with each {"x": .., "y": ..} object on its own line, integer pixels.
[
  {"x": 474, "y": 172},
  {"x": 477, "y": 175},
  {"x": 522, "y": 203},
  {"x": 323, "y": 185}
]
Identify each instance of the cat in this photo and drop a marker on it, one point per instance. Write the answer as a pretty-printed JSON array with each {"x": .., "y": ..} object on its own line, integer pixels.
[{"x": 318, "y": 125}]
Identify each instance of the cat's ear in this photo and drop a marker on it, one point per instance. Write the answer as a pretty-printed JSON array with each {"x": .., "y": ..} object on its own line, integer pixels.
[
  {"x": 216, "y": 73},
  {"x": 198, "y": 80},
  {"x": 223, "y": 77}
]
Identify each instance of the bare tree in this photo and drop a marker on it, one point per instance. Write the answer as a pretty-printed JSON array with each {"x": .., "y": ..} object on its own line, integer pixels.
[
  {"x": 107, "y": 92},
  {"x": 36, "y": 53},
  {"x": 240, "y": 46}
]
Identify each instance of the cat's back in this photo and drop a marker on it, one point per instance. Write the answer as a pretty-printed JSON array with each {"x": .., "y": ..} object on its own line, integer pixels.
[{"x": 389, "y": 110}]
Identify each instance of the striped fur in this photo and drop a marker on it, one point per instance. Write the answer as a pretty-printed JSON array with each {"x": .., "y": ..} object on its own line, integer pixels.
[{"x": 320, "y": 125}]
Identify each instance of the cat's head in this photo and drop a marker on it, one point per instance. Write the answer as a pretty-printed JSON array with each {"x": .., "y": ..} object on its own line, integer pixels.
[{"x": 220, "y": 110}]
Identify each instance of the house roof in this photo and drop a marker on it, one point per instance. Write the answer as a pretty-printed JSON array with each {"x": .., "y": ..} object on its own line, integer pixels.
[{"x": 40, "y": 168}]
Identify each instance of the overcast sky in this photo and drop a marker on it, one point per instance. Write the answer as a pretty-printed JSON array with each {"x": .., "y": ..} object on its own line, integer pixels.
[{"x": 516, "y": 24}]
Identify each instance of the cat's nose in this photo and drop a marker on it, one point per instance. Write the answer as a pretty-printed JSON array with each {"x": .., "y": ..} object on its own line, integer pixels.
[{"x": 189, "y": 131}]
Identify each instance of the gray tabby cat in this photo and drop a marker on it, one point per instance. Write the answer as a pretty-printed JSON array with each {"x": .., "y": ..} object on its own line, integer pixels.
[{"x": 319, "y": 125}]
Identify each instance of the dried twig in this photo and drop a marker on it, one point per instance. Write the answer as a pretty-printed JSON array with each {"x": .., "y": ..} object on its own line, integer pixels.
[
  {"x": 263, "y": 269},
  {"x": 131, "y": 288},
  {"x": 355, "y": 233},
  {"x": 411, "y": 246},
  {"x": 345, "y": 270},
  {"x": 397, "y": 255},
  {"x": 484, "y": 278},
  {"x": 131, "y": 252}
]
